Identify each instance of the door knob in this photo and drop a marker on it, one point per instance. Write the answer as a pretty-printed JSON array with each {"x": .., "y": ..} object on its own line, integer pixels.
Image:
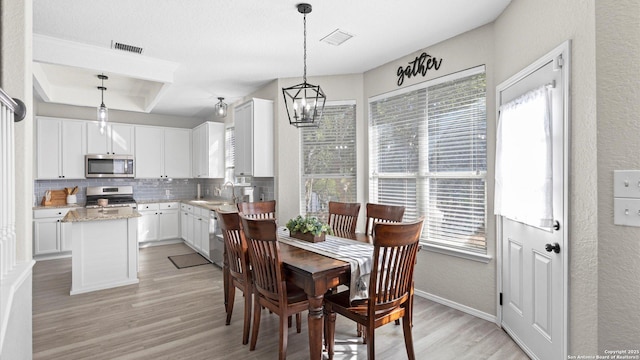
[{"x": 555, "y": 247}]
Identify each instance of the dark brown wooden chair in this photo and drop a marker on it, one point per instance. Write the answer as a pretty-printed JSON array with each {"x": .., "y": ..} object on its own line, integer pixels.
[
  {"x": 237, "y": 272},
  {"x": 390, "y": 287},
  {"x": 270, "y": 288},
  {"x": 258, "y": 209},
  {"x": 380, "y": 213},
  {"x": 343, "y": 218}
]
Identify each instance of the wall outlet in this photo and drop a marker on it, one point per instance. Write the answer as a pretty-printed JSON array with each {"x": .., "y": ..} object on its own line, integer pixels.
[{"x": 167, "y": 192}]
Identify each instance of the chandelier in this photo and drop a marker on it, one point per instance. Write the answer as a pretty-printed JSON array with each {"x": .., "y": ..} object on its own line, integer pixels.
[{"x": 304, "y": 102}]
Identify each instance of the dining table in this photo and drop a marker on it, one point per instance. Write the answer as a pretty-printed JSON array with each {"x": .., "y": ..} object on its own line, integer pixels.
[{"x": 316, "y": 274}]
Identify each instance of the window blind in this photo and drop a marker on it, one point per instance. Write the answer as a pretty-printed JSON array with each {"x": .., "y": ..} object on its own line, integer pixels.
[
  {"x": 230, "y": 154},
  {"x": 427, "y": 152},
  {"x": 328, "y": 161}
]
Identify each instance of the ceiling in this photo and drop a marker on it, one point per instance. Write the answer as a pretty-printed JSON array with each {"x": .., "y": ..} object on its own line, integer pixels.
[{"x": 197, "y": 50}]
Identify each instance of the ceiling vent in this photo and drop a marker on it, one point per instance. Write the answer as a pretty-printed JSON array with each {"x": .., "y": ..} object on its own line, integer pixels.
[
  {"x": 337, "y": 37},
  {"x": 126, "y": 47}
]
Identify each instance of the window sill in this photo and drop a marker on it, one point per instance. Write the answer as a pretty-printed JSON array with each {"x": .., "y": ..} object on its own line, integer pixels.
[{"x": 469, "y": 255}]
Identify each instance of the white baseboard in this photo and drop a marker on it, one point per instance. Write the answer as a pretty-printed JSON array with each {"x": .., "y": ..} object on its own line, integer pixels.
[{"x": 452, "y": 304}]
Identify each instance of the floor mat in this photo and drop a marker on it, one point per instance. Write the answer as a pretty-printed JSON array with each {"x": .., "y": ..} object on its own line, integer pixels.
[{"x": 188, "y": 260}]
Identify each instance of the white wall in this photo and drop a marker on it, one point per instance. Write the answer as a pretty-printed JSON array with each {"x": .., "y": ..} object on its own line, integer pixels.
[
  {"x": 129, "y": 117},
  {"x": 16, "y": 30},
  {"x": 465, "y": 282},
  {"x": 618, "y": 146},
  {"x": 525, "y": 31}
]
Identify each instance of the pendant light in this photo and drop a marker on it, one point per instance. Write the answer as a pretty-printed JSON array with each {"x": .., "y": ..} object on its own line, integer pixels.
[
  {"x": 304, "y": 102},
  {"x": 221, "y": 108},
  {"x": 103, "y": 112}
]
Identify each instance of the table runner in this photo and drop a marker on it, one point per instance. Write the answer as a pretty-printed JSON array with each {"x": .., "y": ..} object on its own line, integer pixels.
[{"x": 358, "y": 254}]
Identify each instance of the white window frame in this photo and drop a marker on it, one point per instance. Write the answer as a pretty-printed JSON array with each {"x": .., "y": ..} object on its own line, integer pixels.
[
  {"x": 423, "y": 175},
  {"x": 303, "y": 176}
]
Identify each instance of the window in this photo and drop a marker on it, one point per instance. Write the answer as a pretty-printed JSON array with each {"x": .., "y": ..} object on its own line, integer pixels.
[
  {"x": 427, "y": 152},
  {"x": 329, "y": 160},
  {"x": 230, "y": 154}
]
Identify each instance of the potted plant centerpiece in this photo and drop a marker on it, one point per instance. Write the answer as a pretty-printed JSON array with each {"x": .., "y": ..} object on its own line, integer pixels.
[{"x": 308, "y": 228}]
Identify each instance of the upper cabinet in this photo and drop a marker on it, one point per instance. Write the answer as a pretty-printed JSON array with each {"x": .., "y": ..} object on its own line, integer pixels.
[
  {"x": 60, "y": 148},
  {"x": 208, "y": 150},
  {"x": 115, "y": 139},
  {"x": 162, "y": 152},
  {"x": 254, "y": 138}
]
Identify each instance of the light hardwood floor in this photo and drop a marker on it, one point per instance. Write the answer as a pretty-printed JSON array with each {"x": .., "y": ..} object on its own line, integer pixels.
[{"x": 179, "y": 314}]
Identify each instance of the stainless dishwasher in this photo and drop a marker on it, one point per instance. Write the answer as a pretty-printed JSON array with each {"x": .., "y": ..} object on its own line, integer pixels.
[{"x": 216, "y": 242}]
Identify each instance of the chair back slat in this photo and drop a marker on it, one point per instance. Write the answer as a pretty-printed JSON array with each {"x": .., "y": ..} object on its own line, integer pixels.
[
  {"x": 264, "y": 254},
  {"x": 258, "y": 209},
  {"x": 236, "y": 245},
  {"x": 343, "y": 217},
  {"x": 380, "y": 213},
  {"x": 395, "y": 249}
]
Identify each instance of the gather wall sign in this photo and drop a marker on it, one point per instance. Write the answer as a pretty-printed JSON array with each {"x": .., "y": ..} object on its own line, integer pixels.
[{"x": 420, "y": 65}]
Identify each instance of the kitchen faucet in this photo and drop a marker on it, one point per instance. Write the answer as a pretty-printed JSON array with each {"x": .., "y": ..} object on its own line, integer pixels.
[{"x": 233, "y": 191}]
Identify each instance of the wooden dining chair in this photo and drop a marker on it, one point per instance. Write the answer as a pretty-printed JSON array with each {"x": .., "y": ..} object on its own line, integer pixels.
[
  {"x": 270, "y": 288},
  {"x": 237, "y": 273},
  {"x": 343, "y": 218},
  {"x": 380, "y": 213},
  {"x": 258, "y": 209},
  {"x": 390, "y": 287}
]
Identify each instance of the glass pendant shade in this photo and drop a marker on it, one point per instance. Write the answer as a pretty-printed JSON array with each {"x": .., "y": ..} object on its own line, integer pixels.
[
  {"x": 221, "y": 108},
  {"x": 103, "y": 112},
  {"x": 103, "y": 116}
]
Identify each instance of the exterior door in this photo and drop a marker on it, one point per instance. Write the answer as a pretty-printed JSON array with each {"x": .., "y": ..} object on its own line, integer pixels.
[{"x": 533, "y": 259}]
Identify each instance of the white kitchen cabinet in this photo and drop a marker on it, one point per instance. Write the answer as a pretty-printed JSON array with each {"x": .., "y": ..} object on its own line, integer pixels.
[
  {"x": 169, "y": 221},
  {"x": 208, "y": 150},
  {"x": 60, "y": 148},
  {"x": 195, "y": 228},
  {"x": 50, "y": 235},
  {"x": 177, "y": 153},
  {"x": 148, "y": 222},
  {"x": 115, "y": 139},
  {"x": 184, "y": 215},
  {"x": 159, "y": 221},
  {"x": 254, "y": 138},
  {"x": 162, "y": 152}
]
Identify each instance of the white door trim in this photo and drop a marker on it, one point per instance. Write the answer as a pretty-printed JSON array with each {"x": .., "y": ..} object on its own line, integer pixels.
[{"x": 563, "y": 50}]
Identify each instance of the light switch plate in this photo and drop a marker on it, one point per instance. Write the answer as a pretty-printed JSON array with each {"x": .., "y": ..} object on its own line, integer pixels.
[
  {"x": 626, "y": 184},
  {"x": 626, "y": 211}
]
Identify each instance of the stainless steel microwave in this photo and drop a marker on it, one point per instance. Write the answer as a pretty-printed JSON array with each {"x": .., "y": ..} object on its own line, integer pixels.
[{"x": 108, "y": 166}]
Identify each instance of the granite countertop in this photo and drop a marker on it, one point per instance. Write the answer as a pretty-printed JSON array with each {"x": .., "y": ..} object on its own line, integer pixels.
[
  {"x": 66, "y": 206},
  {"x": 212, "y": 204},
  {"x": 97, "y": 214},
  {"x": 207, "y": 203}
]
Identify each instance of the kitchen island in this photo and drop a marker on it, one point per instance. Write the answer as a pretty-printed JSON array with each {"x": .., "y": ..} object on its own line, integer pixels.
[{"x": 104, "y": 248}]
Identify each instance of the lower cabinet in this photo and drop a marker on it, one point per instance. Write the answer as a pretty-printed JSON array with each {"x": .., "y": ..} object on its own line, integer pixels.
[
  {"x": 159, "y": 221},
  {"x": 195, "y": 228},
  {"x": 50, "y": 235}
]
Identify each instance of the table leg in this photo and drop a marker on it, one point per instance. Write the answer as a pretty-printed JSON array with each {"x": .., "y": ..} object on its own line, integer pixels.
[{"x": 315, "y": 324}]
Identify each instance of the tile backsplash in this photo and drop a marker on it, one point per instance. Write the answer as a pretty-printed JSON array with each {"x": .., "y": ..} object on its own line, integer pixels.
[{"x": 156, "y": 189}]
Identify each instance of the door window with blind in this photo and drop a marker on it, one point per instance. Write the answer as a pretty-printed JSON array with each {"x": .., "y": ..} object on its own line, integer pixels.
[
  {"x": 427, "y": 152},
  {"x": 328, "y": 159}
]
